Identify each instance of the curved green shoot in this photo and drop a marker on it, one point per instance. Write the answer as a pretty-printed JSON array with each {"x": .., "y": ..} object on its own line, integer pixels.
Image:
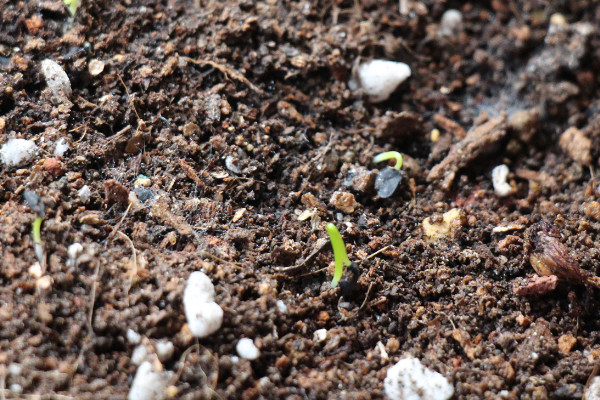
[
  {"x": 387, "y": 155},
  {"x": 36, "y": 230},
  {"x": 339, "y": 253},
  {"x": 72, "y": 6}
]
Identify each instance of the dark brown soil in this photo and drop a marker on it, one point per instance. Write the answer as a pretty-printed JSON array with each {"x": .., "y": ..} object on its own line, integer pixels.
[{"x": 240, "y": 115}]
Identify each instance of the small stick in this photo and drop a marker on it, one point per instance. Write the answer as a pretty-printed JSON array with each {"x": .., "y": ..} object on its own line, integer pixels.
[{"x": 228, "y": 72}]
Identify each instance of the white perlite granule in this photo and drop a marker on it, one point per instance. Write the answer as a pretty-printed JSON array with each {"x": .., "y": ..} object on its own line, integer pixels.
[
  {"x": 499, "y": 175},
  {"x": 18, "y": 152},
  {"x": 204, "y": 316},
  {"x": 410, "y": 380},
  {"x": 246, "y": 349},
  {"x": 379, "y": 78},
  {"x": 57, "y": 80},
  {"x": 149, "y": 383}
]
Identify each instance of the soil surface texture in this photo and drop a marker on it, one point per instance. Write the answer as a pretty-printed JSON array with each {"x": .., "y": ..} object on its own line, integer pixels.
[{"x": 165, "y": 137}]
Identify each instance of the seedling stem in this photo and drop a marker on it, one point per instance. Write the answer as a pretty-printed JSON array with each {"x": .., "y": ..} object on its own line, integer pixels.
[
  {"x": 387, "y": 155},
  {"x": 339, "y": 253}
]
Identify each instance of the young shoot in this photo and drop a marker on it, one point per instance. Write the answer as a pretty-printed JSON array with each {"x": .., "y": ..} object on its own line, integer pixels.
[
  {"x": 339, "y": 253},
  {"x": 36, "y": 230},
  {"x": 388, "y": 155},
  {"x": 72, "y": 6}
]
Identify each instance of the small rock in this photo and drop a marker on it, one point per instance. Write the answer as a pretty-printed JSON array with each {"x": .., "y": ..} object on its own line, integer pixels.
[
  {"x": 149, "y": 383},
  {"x": 442, "y": 226},
  {"x": 53, "y": 167},
  {"x": 379, "y": 78},
  {"x": 566, "y": 343},
  {"x": 592, "y": 210},
  {"x": 84, "y": 193},
  {"x": 343, "y": 201},
  {"x": 593, "y": 390},
  {"x": 164, "y": 350},
  {"x": 387, "y": 181},
  {"x": 95, "y": 67},
  {"x": 133, "y": 337},
  {"x": 363, "y": 180},
  {"x": 57, "y": 80},
  {"x": 320, "y": 335},
  {"x": 204, "y": 316},
  {"x": 246, "y": 349},
  {"x": 62, "y": 145},
  {"x": 576, "y": 145},
  {"x": 411, "y": 380},
  {"x": 452, "y": 23},
  {"x": 499, "y": 175},
  {"x": 18, "y": 152}
]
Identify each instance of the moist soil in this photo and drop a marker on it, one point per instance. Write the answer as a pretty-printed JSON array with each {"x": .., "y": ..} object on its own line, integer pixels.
[{"x": 222, "y": 136}]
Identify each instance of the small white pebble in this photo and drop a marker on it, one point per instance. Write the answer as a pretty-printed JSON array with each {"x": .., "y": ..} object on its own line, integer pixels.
[
  {"x": 15, "y": 388},
  {"x": 84, "y": 194},
  {"x": 62, "y": 145},
  {"x": 73, "y": 251},
  {"x": 44, "y": 283},
  {"x": 149, "y": 383},
  {"x": 95, "y": 67},
  {"x": 164, "y": 350},
  {"x": 379, "y": 78},
  {"x": 18, "y": 152},
  {"x": 320, "y": 335},
  {"x": 452, "y": 23},
  {"x": 499, "y": 175},
  {"x": 593, "y": 390},
  {"x": 133, "y": 337},
  {"x": 57, "y": 80},
  {"x": 35, "y": 270},
  {"x": 139, "y": 355},
  {"x": 410, "y": 380},
  {"x": 15, "y": 369},
  {"x": 281, "y": 306},
  {"x": 204, "y": 316},
  {"x": 246, "y": 349}
]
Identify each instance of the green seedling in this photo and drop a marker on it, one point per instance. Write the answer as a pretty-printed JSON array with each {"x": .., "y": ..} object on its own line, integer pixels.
[
  {"x": 339, "y": 253},
  {"x": 388, "y": 155},
  {"x": 72, "y": 6},
  {"x": 36, "y": 230}
]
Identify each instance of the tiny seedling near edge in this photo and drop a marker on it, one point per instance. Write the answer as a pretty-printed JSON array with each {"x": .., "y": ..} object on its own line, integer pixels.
[{"x": 339, "y": 253}]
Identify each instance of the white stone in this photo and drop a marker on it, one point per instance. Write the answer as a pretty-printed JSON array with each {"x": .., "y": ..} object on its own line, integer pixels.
[
  {"x": 281, "y": 306},
  {"x": 149, "y": 383},
  {"x": 18, "y": 152},
  {"x": 246, "y": 349},
  {"x": 164, "y": 350},
  {"x": 204, "y": 316},
  {"x": 499, "y": 175},
  {"x": 133, "y": 337},
  {"x": 410, "y": 380},
  {"x": 84, "y": 193},
  {"x": 593, "y": 390},
  {"x": 140, "y": 354},
  {"x": 452, "y": 23},
  {"x": 62, "y": 145},
  {"x": 57, "y": 80},
  {"x": 379, "y": 78},
  {"x": 320, "y": 335},
  {"x": 73, "y": 251}
]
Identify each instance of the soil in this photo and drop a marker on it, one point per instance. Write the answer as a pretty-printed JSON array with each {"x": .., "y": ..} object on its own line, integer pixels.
[{"x": 223, "y": 135}]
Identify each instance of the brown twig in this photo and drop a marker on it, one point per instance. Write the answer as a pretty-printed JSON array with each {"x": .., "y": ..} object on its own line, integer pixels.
[{"x": 228, "y": 72}]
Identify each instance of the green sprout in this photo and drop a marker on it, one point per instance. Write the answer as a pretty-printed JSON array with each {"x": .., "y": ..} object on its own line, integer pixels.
[
  {"x": 72, "y": 6},
  {"x": 339, "y": 253},
  {"x": 36, "y": 230},
  {"x": 387, "y": 155}
]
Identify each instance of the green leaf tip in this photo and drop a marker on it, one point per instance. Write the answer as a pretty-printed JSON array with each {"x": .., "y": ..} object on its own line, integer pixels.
[
  {"x": 339, "y": 253},
  {"x": 72, "y": 6},
  {"x": 387, "y": 155},
  {"x": 36, "y": 230}
]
